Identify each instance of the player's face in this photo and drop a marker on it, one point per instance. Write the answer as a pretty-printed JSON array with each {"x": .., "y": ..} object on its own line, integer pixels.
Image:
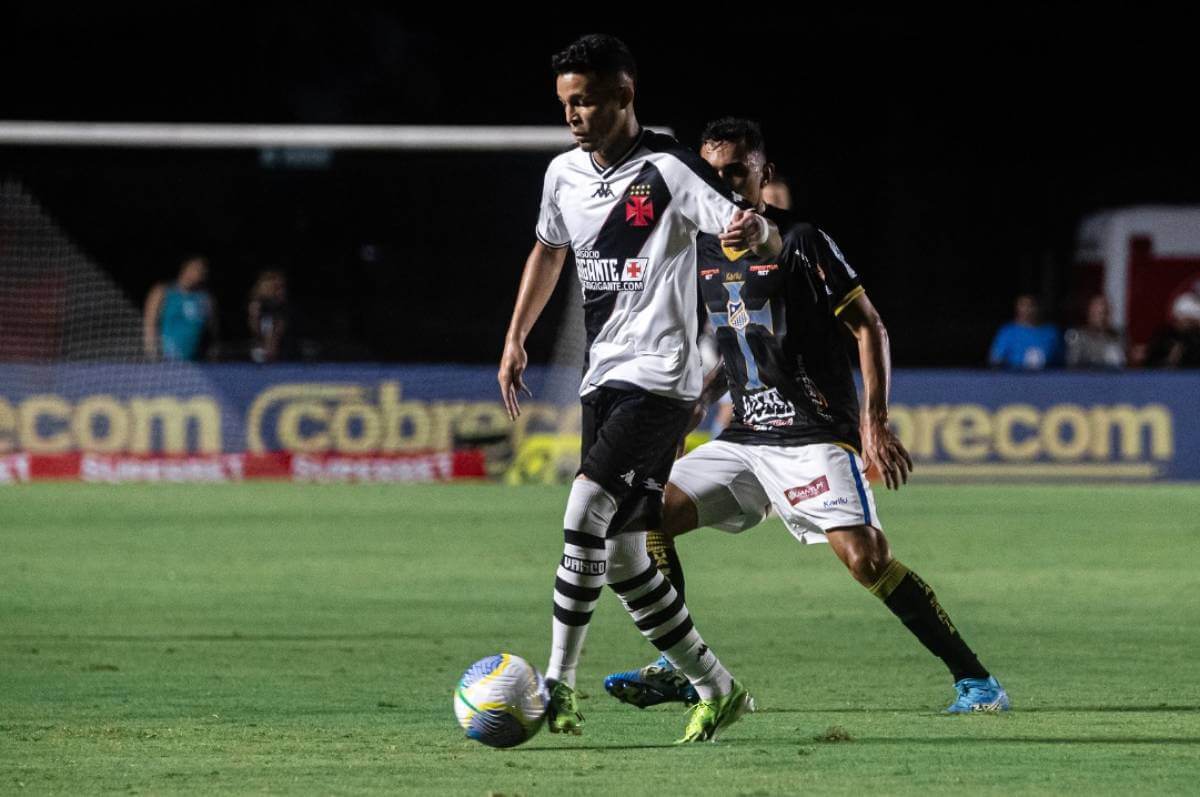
[
  {"x": 593, "y": 108},
  {"x": 744, "y": 172}
]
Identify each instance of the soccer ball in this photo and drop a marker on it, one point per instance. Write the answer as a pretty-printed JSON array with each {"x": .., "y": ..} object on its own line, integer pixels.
[{"x": 501, "y": 700}]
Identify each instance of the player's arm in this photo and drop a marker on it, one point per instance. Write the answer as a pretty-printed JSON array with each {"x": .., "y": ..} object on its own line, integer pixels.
[
  {"x": 881, "y": 447},
  {"x": 716, "y": 210},
  {"x": 150, "y": 315},
  {"x": 716, "y": 383},
  {"x": 542, "y": 268},
  {"x": 749, "y": 230}
]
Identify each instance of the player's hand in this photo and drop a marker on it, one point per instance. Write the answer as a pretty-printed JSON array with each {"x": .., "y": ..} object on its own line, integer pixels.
[
  {"x": 746, "y": 230},
  {"x": 884, "y": 450},
  {"x": 511, "y": 377}
]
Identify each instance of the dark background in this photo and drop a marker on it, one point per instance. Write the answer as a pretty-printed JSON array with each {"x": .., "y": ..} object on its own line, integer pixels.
[{"x": 951, "y": 156}]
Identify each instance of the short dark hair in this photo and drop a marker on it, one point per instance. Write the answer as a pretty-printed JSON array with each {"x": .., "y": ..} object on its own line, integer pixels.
[
  {"x": 746, "y": 132},
  {"x": 604, "y": 55}
]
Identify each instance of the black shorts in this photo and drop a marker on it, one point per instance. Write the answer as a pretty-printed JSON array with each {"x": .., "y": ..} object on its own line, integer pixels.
[{"x": 630, "y": 438}]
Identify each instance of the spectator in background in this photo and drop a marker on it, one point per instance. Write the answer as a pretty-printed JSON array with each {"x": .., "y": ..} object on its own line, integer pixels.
[
  {"x": 1097, "y": 344},
  {"x": 1025, "y": 344},
  {"x": 268, "y": 317},
  {"x": 179, "y": 321},
  {"x": 1178, "y": 344}
]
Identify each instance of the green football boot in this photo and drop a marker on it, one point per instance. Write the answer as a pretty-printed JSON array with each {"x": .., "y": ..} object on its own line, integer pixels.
[
  {"x": 562, "y": 715},
  {"x": 708, "y": 717}
]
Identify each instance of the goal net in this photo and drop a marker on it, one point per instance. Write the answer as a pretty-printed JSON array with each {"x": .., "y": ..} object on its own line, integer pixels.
[{"x": 377, "y": 231}]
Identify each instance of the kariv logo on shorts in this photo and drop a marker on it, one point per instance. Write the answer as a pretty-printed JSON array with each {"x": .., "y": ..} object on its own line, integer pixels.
[
  {"x": 608, "y": 274},
  {"x": 811, "y": 490}
]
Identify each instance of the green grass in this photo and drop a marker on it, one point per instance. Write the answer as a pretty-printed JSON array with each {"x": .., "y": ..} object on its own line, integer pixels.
[{"x": 283, "y": 638}]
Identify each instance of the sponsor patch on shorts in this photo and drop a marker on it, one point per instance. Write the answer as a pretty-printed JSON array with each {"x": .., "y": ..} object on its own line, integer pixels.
[{"x": 811, "y": 490}]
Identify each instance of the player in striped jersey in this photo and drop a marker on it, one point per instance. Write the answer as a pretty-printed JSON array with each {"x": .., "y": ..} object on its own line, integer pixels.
[
  {"x": 630, "y": 203},
  {"x": 793, "y": 446}
]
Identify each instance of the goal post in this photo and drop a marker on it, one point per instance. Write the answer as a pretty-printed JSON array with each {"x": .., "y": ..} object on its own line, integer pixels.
[{"x": 76, "y": 377}]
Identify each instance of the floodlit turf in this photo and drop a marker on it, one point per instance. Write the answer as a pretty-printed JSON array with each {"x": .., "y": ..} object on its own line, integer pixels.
[{"x": 283, "y": 638}]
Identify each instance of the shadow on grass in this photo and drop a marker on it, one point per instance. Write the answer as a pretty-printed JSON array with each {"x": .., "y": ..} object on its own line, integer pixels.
[
  {"x": 1180, "y": 740},
  {"x": 1018, "y": 710},
  {"x": 577, "y": 748},
  {"x": 231, "y": 637}
]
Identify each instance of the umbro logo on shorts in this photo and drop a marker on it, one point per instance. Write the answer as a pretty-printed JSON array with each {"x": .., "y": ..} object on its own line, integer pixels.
[{"x": 811, "y": 490}]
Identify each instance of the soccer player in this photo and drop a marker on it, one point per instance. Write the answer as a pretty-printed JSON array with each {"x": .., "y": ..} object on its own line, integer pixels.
[
  {"x": 794, "y": 442},
  {"x": 629, "y": 202}
]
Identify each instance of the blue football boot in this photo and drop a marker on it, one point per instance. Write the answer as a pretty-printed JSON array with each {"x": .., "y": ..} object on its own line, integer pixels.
[
  {"x": 978, "y": 694},
  {"x": 651, "y": 685}
]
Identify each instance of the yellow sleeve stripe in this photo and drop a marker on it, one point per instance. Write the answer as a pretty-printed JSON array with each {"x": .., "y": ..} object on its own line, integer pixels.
[{"x": 849, "y": 297}]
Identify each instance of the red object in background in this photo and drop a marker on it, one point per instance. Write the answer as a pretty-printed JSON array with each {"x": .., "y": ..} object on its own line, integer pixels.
[
  {"x": 1141, "y": 259},
  {"x": 1155, "y": 282},
  {"x": 281, "y": 465},
  {"x": 31, "y": 316}
]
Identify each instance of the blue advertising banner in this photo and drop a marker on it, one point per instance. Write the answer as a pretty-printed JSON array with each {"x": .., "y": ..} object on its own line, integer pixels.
[
  {"x": 957, "y": 424},
  {"x": 1135, "y": 425}
]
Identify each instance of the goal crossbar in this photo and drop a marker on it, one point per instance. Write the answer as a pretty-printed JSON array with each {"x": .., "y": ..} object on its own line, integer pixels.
[{"x": 477, "y": 138}]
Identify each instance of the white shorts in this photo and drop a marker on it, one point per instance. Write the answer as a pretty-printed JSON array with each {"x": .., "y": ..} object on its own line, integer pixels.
[{"x": 812, "y": 488}]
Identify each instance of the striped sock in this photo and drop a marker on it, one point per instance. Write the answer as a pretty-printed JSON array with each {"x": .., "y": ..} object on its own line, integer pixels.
[
  {"x": 660, "y": 614},
  {"x": 580, "y": 575}
]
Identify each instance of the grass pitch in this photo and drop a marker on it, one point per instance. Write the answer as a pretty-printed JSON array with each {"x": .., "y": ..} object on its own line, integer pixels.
[{"x": 281, "y": 638}]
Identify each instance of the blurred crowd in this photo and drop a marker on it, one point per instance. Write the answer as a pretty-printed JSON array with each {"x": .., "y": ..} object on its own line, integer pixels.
[
  {"x": 180, "y": 319},
  {"x": 1027, "y": 343}
]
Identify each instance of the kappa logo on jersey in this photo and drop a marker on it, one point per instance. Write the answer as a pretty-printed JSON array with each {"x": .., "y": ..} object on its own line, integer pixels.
[
  {"x": 628, "y": 478},
  {"x": 639, "y": 208},
  {"x": 605, "y": 273},
  {"x": 811, "y": 490},
  {"x": 603, "y": 190},
  {"x": 767, "y": 408}
]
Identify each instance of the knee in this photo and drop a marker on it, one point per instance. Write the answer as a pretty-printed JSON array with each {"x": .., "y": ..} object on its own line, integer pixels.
[
  {"x": 626, "y": 557},
  {"x": 590, "y": 508},
  {"x": 866, "y": 553},
  {"x": 679, "y": 512}
]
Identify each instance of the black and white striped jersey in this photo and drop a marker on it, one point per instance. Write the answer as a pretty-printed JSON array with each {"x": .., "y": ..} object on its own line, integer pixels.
[{"x": 633, "y": 230}]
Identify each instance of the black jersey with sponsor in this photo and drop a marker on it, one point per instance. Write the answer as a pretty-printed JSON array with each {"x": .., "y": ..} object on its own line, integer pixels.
[{"x": 777, "y": 329}]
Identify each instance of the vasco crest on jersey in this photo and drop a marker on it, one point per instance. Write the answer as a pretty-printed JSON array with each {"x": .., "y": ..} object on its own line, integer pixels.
[{"x": 639, "y": 207}]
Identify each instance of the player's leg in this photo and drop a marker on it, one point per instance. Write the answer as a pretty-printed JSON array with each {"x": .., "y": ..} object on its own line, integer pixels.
[
  {"x": 712, "y": 486},
  {"x": 642, "y": 433},
  {"x": 679, "y": 517},
  {"x": 661, "y": 615},
  {"x": 866, "y": 553},
  {"x": 832, "y": 496},
  {"x": 577, "y": 586}
]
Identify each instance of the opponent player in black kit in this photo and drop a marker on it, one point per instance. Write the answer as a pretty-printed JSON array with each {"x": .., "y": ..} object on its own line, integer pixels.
[
  {"x": 630, "y": 203},
  {"x": 794, "y": 441}
]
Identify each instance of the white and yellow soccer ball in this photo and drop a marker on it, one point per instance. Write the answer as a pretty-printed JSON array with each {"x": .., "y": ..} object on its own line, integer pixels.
[{"x": 501, "y": 700}]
